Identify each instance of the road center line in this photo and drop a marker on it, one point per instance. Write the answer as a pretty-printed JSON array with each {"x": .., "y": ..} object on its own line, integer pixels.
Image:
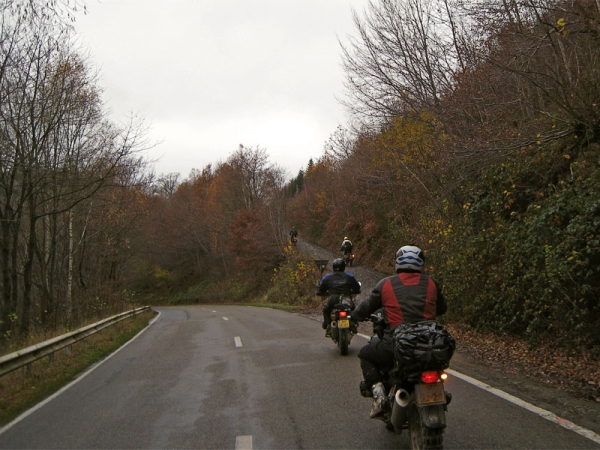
[
  {"x": 238, "y": 341},
  {"x": 523, "y": 404},
  {"x": 225, "y": 318},
  {"x": 243, "y": 442}
]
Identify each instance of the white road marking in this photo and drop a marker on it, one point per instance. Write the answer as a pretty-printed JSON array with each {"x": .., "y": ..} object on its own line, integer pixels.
[
  {"x": 238, "y": 341},
  {"x": 78, "y": 379},
  {"x": 225, "y": 318},
  {"x": 243, "y": 442},
  {"x": 523, "y": 404},
  {"x": 528, "y": 406}
]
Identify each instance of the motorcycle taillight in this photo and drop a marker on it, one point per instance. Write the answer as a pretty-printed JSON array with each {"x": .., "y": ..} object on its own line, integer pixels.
[
  {"x": 343, "y": 314},
  {"x": 429, "y": 377}
]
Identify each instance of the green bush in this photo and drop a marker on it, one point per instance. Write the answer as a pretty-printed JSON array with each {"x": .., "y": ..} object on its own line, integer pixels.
[
  {"x": 294, "y": 282},
  {"x": 524, "y": 257}
]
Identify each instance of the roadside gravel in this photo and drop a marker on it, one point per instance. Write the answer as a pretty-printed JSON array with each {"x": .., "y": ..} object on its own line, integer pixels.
[{"x": 504, "y": 374}]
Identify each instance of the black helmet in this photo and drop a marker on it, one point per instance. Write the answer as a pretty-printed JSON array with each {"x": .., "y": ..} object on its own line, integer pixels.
[{"x": 339, "y": 265}]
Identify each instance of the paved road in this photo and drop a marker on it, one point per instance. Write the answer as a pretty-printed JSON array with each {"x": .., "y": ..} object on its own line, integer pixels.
[{"x": 238, "y": 377}]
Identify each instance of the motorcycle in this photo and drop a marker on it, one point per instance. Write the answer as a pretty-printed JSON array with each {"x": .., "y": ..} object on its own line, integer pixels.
[
  {"x": 348, "y": 258},
  {"x": 342, "y": 328},
  {"x": 416, "y": 399}
]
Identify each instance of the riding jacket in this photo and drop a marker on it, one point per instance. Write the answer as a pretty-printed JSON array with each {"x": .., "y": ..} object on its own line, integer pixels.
[
  {"x": 408, "y": 296},
  {"x": 338, "y": 283}
]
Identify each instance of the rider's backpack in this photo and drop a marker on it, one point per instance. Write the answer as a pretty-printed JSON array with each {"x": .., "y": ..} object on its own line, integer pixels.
[{"x": 423, "y": 346}]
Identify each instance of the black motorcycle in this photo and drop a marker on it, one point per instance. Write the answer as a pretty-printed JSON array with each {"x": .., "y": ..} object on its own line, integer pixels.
[
  {"x": 342, "y": 328},
  {"x": 348, "y": 258},
  {"x": 416, "y": 400}
]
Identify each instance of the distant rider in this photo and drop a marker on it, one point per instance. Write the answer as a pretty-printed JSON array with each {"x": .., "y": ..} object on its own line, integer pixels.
[
  {"x": 293, "y": 234},
  {"x": 346, "y": 246},
  {"x": 409, "y": 296},
  {"x": 336, "y": 283}
]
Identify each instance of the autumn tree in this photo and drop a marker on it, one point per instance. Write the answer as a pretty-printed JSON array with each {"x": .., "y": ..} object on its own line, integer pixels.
[
  {"x": 57, "y": 152},
  {"x": 225, "y": 221}
]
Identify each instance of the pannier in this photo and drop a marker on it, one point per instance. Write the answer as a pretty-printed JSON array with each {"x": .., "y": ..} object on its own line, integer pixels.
[{"x": 423, "y": 346}]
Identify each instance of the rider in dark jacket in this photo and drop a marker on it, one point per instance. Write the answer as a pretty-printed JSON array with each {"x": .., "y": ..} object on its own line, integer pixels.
[
  {"x": 346, "y": 246},
  {"x": 409, "y": 296},
  {"x": 333, "y": 284}
]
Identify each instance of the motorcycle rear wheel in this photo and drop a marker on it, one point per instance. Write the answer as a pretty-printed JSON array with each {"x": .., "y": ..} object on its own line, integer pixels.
[
  {"x": 421, "y": 437},
  {"x": 343, "y": 341}
]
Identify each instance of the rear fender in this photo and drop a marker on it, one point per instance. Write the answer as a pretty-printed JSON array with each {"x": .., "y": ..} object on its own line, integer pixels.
[{"x": 433, "y": 416}]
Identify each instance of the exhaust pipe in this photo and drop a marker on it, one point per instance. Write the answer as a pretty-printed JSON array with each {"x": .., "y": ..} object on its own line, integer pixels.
[
  {"x": 333, "y": 324},
  {"x": 399, "y": 409}
]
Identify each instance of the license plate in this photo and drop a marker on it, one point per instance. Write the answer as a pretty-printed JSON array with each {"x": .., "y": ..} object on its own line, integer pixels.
[
  {"x": 429, "y": 394},
  {"x": 343, "y": 323}
]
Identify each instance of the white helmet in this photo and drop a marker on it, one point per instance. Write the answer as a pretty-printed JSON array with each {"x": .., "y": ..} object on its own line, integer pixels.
[{"x": 410, "y": 257}]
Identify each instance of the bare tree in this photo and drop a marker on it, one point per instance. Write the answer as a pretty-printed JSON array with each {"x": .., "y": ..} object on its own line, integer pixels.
[
  {"x": 167, "y": 184},
  {"x": 405, "y": 57}
]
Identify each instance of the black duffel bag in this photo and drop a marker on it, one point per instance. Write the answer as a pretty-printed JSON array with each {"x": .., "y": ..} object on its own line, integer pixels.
[{"x": 423, "y": 346}]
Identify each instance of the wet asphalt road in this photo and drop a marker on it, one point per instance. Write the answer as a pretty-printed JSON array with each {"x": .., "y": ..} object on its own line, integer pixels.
[{"x": 233, "y": 376}]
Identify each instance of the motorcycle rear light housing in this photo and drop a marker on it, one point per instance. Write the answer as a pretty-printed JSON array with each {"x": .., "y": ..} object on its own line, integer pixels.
[
  {"x": 430, "y": 377},
  {"x": 343, "y": 314}
]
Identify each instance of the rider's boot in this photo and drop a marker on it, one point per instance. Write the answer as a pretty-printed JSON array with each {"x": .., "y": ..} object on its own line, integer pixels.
[
  {"x": 327, "y": 329},
  {"x": 378, "y": 398}
]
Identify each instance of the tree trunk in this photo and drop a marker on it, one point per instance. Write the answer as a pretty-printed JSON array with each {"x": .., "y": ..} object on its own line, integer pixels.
[{"x": 69, "y": 294}]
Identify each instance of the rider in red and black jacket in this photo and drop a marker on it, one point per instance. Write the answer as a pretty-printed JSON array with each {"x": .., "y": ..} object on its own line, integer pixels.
[{"x": 407, "y": 297}]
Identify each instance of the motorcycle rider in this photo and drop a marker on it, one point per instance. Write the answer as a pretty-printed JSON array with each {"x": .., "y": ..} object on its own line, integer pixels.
[
  {"x": 346, "y": 246},
  {"x": 407, "y": 297},
  {"x": 336, "y": 283},
  {"x": 293, "y": 234}
]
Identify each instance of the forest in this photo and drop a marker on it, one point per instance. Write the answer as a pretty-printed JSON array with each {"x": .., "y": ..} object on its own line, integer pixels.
[{"x": 473, "y": 132}]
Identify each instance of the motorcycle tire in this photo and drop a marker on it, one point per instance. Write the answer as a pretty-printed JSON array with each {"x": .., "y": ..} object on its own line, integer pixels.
[
  {"x": 343, "y": 341},
  {"x": 421, "y": 437}
]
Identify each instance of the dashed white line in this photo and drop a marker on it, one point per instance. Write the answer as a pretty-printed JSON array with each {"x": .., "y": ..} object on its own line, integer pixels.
[
  {"x": 225, "y": 318},
  {"x": 243, "y": 442},
  {"x": 238, "y": 341}
]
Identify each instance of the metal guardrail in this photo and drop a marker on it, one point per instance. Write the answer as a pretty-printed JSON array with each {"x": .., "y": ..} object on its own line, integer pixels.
[{"x": 22, "y": 358}]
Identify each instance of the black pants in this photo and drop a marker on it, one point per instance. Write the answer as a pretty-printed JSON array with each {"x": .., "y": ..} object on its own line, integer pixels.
[
  {"x": 333, "y": 300},
  {"x": 375, "y": 355},
  {"x": 328, "y": 307}
]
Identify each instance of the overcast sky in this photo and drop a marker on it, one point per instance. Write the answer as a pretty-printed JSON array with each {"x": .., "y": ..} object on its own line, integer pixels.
[{"x": 209, "y": 75}]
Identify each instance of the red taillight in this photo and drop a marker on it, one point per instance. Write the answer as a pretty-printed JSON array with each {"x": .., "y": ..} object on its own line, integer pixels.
[
  {"x": 343, "y": 314},
  {"x": 429, "y": 377}
]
